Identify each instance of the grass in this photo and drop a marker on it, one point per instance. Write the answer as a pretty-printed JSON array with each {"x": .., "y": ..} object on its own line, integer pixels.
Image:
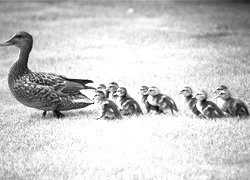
[{"x": 169, "y": 45}]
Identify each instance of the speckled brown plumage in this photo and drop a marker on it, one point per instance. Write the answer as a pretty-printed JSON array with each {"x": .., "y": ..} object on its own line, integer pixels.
[{"x": 44, "y": 91}]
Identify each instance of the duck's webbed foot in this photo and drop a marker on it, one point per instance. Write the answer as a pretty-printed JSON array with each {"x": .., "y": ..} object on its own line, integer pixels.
[
  {"x": 58, "y": 114},
  {"x": 44, "y": 113}
]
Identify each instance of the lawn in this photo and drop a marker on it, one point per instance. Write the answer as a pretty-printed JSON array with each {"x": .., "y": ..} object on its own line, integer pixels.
[{"x": 165, "y": 44}]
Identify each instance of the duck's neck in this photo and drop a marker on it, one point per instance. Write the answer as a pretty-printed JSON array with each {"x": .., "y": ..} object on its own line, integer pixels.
[
  {"x": 20, "y": 67},
  {"x": 144, "y": 97},
  {"x": 188, "y": 98}
]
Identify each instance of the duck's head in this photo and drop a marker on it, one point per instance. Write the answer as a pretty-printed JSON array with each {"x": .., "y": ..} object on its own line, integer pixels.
[
  {"x": 224, "y": 94},
  {"x": 201, "y": 95},
  {"x": 21, "y": 39},
  {"x": 153, "y": 91},
  {"x": 99, "y": 95},
  {"x": 101, "y": 87},
  {"x": 112, "y": 87},
  {"x": 121, "y": 91},
  {"x": 220, "y": 88},
  {"x": 186, "y": 91},
  {"x": 143, "y": 90}
]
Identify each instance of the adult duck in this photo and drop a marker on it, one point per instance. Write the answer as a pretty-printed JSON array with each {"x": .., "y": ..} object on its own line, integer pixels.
[{"x": 43, "y": 91}]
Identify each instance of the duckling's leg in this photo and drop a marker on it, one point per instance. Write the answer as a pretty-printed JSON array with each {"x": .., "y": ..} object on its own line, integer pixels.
[
  {"x": 58, "y": 114},
  {"x": 44, "y": 113}
]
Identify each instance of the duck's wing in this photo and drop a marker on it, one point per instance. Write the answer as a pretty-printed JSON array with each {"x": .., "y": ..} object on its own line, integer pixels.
[
  {"x": 214, "y": 109},
  {"x": 60, "y": 83},
  {"x": 238, "y": 107},
  {"x": 170, "y": 102}
]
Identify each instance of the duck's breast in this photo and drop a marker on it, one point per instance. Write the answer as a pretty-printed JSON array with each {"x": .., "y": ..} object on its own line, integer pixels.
[{"x": 32, "y": 94}]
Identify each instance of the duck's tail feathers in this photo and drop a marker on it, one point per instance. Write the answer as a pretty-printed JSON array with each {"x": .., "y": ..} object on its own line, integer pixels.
[
  {"x": 83, "y": 101},
  {"x": 81, "y": 81}
]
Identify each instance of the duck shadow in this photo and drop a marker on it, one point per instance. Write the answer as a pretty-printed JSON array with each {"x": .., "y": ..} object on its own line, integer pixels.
[{"x": 81, "y": 113}]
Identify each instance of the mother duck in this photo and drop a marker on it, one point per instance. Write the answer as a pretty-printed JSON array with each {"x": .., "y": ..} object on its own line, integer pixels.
[{"x": 43, "y": 91}]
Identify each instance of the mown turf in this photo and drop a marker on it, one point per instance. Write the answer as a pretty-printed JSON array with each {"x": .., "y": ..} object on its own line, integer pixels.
[{"x": 169, "y": 45}]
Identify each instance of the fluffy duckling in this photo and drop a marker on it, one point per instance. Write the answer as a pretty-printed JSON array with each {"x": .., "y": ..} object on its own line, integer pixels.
[
  {"x": 127, "y": 105},
  {"x": 207, "y": 108},
  {"x": 111, "y": 91},
  {"x": 220, "y": 88},
  {"x": 220, "y": 101},
  {"x": 43, "y": 91},
  {"x": 232, "y": 106},
  {"x": 104, "y": 89},
  {"x": 101, "y": 87},
  {"x": 144, "y": 96},
  {"x": 190, "y": 100},
  {"x": 163, "y": 101},
  {"x": 109, "y": 110}
]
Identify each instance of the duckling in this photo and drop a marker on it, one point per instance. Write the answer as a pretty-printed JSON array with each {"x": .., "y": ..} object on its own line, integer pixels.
[
  {"x": 144, "y": 100},
  {"x": 190, "y": 100},
  {"x": 127, "y": 105},
  {"x": 163, "y": 101},
  {"x": 220, "y": 88},
  {"x": 220, "y": 101},
  {"x": 109, "y": 110},
  {"x": 43, "y": 91},
  {"x": 232, "y": 106},
  {"x": 207, "y": 108},
  {"x": 102, "y": 87},
  {"x": 111, "y": 91}
]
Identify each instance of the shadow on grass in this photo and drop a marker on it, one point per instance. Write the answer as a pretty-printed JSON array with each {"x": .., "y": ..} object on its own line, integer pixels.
[
  {"x": 81, "y": 113},
  {"x": 212, "y": 35}
]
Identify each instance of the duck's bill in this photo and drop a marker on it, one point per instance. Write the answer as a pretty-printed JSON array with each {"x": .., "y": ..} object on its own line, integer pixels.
[
  {"x": 215, "y": 91},
  {"x": 218, "y": 95},
  {"x": 181, "y": 91},
  {"x": 7, "y": 43}
]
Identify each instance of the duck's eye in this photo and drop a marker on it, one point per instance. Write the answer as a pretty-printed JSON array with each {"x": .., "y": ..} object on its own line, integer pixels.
[{"x": 18, "y": 36}]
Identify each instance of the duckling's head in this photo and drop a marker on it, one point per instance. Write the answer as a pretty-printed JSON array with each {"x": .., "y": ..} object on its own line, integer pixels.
[
  {"x": 201, "y": 95},
  {"x": 224, "y": 94},
  {"x": 153, "y": 91},
  {"x": 121, "y": 91},
  {"x": 220, "y": 88},
  {"x": 101, "y": 87},
  {"x": 21, "y": 40},
  {"x": 143, "y": 90},
  {"x": 99, "y": 95},
  {"x": 186, "y": 91},
  {"x": 112, "y": 87}
]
